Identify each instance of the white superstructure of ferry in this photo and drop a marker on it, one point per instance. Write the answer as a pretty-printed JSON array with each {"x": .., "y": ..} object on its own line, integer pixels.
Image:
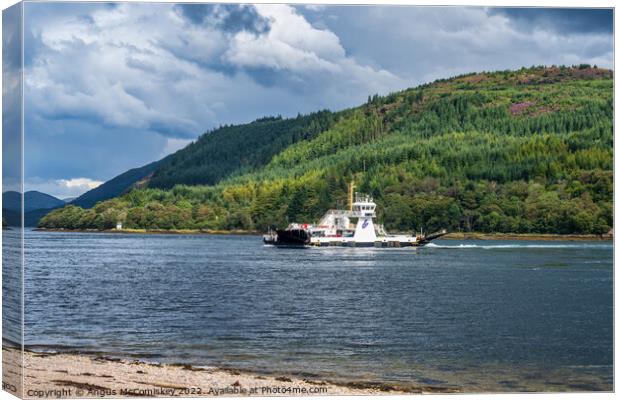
[{"x": 352, "y": 228}]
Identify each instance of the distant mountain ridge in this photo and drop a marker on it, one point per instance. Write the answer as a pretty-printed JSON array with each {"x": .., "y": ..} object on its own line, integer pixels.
[
  {"x": 36, "y": 205},
  {"x": 33, "y": 200}
]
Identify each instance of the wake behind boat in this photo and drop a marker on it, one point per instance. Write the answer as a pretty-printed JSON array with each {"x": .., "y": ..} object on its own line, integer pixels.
[{"x": 336, "y": 228}]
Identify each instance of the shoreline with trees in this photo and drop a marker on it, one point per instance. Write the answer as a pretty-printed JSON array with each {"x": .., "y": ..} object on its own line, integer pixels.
[{"x": 449, "y": 236}]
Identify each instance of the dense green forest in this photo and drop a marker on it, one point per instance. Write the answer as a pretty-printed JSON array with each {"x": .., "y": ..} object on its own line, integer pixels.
[
  {"x": 236, "y": 149},
  {"x": 527, "y": 151}
]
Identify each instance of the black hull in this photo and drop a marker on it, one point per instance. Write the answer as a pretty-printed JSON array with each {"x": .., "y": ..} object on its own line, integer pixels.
[
  {"x": 301, "y": 238},
  {"x": 289, "y": 237}
]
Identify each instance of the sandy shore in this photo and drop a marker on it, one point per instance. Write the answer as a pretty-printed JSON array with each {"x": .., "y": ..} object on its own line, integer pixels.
[{"x": 53, "y": 375}]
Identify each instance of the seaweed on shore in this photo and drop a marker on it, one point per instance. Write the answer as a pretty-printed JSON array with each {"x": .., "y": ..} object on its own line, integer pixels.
[
  {"x": 80, "y": 385},
  {"x": 385, "y": 387}
]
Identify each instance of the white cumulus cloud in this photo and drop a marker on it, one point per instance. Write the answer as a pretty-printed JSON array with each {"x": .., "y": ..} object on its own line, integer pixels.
[{"x": 61, "y": 188}]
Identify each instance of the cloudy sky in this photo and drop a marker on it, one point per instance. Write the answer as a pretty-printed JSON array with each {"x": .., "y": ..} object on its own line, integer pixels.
[{"x": 110, "y": 87}]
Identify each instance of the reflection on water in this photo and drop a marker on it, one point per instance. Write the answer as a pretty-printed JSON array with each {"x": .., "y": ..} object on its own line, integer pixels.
[{"x": 501, "y": 316}]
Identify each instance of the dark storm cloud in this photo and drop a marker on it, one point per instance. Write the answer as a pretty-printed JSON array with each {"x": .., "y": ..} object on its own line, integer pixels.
[
  {"x": 561, "y": 20},
  {"x": 230, "y": 18},
  {"x": 74, "y": 155}
]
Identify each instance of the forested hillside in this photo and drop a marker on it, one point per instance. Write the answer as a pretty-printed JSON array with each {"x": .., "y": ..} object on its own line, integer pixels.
[
  {"x": 510, "y": 151},
  {"x": 235, "y": 149},
  {"x": 116, "y": 186}
]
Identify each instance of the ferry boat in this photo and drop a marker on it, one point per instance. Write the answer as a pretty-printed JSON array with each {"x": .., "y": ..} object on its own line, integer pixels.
[{"x": 337, "y": 228}]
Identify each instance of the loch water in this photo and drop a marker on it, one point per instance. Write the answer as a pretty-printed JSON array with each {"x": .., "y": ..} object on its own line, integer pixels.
[{"x": 473, "y": 315}]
